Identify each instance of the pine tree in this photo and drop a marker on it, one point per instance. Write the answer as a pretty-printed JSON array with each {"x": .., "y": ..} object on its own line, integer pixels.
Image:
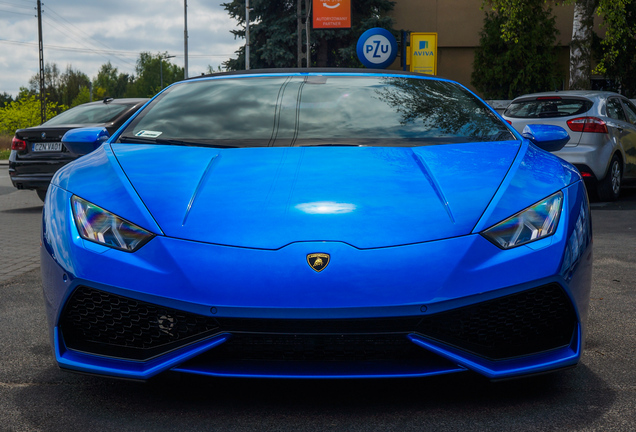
[{"x": 273, "y": 34}]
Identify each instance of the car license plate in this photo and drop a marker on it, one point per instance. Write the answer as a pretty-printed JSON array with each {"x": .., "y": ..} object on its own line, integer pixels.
[{"x": 49, "y": 146}]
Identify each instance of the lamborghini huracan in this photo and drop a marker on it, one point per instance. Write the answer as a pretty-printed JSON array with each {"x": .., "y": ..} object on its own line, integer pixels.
[{"x": 317, "y": 224}]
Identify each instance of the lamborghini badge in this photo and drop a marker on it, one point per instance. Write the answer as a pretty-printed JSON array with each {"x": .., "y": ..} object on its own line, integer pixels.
[{"x": 318, "y": 261}]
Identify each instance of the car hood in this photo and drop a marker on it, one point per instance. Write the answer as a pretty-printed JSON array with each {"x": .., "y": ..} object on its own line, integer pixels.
[{"x": 267, "y": 198}]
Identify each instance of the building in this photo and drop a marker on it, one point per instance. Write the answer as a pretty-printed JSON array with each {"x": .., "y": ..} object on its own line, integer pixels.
[{"x": 458, "y": 24}]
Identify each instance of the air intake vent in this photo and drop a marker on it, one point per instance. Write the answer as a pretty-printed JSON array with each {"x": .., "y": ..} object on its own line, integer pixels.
[
  {"x": 103, "y": 323},
  {"x": 528, "y": 322}
]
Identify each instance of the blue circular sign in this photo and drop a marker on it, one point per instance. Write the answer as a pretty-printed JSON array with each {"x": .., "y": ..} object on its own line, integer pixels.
[{"x": 377, "y": 48}]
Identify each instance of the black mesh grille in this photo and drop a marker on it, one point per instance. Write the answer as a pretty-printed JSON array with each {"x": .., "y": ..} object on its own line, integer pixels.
[
  {"x": 103, "y": 323},
  {"x": 305, "y": 347},
  {"x": 320, "y": 326},
  {"x": 531, "y": 321}
]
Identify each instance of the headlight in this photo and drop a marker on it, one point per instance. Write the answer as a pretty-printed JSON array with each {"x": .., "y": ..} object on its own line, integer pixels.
[
  {"x": 534, "y": 223},
  {"x": 100, "y": 226}
]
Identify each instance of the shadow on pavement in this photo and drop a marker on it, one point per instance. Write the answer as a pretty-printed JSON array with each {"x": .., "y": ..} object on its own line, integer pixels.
[
  {"x": 563, "y": 401},
  {"x": 626, "y": 201},
  {"x": 25, "y": 210}
]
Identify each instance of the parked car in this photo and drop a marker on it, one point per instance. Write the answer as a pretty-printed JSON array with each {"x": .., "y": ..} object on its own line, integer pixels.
[
  {"x": 602, "y": 128},
  {"x": 317, "y": 224},
  {"x": 37, "y": 152}
]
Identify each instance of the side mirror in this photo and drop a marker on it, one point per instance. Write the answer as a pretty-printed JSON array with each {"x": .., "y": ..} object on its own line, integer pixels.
[
  {"x": 547, "y": 137},
  {"x": 84, "y": 140}
]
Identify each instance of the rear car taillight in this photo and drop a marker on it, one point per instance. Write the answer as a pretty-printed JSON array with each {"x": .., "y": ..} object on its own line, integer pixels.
[
  {"x": 587, "y": 124},
  {"x": 18, "y": 144}
]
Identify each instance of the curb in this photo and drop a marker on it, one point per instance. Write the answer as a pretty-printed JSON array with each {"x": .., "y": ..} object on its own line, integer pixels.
[{"x": 4, "y": 162}]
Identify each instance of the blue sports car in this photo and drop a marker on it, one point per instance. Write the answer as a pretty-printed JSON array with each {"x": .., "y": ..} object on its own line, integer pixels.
[{"x": 316, "y": 224}]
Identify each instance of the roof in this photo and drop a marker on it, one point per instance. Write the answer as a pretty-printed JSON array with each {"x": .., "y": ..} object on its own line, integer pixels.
[
  {"x": 576, "y": 93},
  {"x": 315, "y": 70}
]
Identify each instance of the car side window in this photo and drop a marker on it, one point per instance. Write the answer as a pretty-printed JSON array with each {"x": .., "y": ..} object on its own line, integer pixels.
[
  {"x": 615, "y": 109},
  {"x": 630, "y": 110}
]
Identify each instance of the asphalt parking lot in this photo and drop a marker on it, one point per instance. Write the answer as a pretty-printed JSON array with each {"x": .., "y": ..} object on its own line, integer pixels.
[{"x": 598, "y": 395}]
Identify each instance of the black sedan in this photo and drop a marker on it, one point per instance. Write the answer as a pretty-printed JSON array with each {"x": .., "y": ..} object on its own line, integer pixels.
[{"x": 37, "y": 152}]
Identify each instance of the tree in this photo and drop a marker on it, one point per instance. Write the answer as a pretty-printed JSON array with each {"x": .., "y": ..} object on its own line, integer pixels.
[
  {"x": 273, "y": 34},
  {"x": 72, "y": 83},
  {"x": 111, "y": 82},
  {"x": 151, "y": 71},
  {"x": 5, "y": 98},
  {"x": 82, "y": 97},
  {"x": 52, "y": 82},
  {"x": 582, "y": 34},
  {"x": 581, "y": 44},
  {"x": 618, "y": 58},
  {"x": 25, "y": 112},
  {"x": 504, "y": 69},
  {"x": 61, "y": 88}
]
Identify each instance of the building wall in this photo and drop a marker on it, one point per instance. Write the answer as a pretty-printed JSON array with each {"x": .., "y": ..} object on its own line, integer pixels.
[{"x": 458, "y": 24}]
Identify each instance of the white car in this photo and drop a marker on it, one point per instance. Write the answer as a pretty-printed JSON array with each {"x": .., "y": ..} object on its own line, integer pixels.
[{"x": 602, "y": 129}]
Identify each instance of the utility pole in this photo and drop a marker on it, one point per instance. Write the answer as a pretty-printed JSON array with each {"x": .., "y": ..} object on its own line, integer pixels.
[
  {"x": 42, "y": 89},
  {"x": 247, "y": 34},
  {"x": 185, "y": 37},
  {"x": 308, "y": 4},
  {"x": 303, "y": 28}
]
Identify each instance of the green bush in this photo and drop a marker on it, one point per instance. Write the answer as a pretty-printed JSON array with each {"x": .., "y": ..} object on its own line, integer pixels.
[
  {"x": 25, "y": 112},
  {"x": 507, "y": 69}
]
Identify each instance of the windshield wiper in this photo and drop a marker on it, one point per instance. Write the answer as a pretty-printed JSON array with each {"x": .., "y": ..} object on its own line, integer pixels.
[{"x": 145, "y": 140}]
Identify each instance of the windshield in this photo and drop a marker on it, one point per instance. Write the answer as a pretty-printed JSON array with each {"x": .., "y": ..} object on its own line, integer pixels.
[
  {"x": 316, "y": 110},
  {"x": 548, "y": 107},
  {"x": 88, "y": 114}
]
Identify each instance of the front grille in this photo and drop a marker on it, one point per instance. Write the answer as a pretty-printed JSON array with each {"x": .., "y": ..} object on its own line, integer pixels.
[
  {"x": 103, "y": 323},
  {"x": 531, "y": 321},
  {"x": 319, "y": 326},
  {"x": 527, "y": 322},
  {"x": 318, "y": 348}
]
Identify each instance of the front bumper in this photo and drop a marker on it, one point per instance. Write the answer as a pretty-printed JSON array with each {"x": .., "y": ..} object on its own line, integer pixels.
[
  {"x": 35, "y": 173},
  {"x": 414, "y": 310}
]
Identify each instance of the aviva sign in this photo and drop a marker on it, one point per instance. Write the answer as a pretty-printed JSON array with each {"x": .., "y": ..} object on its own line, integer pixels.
[{"x": 422, "y": 56}]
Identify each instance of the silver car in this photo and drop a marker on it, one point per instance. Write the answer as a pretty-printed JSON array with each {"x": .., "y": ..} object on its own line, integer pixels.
[{"x": 602, "y": 129}]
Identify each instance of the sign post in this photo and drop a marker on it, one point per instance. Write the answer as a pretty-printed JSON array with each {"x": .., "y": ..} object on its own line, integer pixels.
[
  {"x": 422, "y": 56},
  {"x": 377, "y": 48},
  {"x": 331, "y": 14}
]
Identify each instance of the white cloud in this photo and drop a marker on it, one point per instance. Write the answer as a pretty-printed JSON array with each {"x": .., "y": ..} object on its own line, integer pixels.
[{"x": 95, "y": 27}]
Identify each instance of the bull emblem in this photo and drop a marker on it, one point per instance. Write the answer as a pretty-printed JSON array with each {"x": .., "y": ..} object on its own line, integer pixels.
[{"x": 318, "y": 261}]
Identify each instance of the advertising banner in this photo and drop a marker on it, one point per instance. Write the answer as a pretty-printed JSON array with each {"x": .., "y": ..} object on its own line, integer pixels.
[
  {"x": 423, "y": 53},
  {"x": 331, "y": 14}
]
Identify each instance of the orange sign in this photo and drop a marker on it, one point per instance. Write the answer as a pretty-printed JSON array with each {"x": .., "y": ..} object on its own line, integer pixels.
[{"x": 332, "y": 14}]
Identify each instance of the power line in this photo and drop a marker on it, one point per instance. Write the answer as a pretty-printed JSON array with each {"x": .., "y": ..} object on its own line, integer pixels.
[
  {"x": 77, "y": 28},
  {"x": 23, "y": 6},
  {"x": 17, "y": 13},
  {"x": 107, "y": 52},
  {"x": 73, "y": 37},
  {"x": 87, "y": 48}
]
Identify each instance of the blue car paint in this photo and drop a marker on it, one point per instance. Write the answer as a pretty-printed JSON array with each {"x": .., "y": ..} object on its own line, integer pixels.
[
  {"x": 538, "y": 174},
  {"x": 248, "y": 191},
  {"x": 84, "y": 140},
  {"x": 441, "y": 273},
  {"x": 550, "y": 138},
  {"x": 99, "y": 171},
  {"x": 480, "y": 271}
]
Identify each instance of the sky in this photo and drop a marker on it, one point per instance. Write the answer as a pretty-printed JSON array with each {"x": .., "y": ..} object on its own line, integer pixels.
[{"x": 85, "y": 34}]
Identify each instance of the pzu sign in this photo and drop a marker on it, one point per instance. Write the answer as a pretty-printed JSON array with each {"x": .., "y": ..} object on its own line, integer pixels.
[{"x": 377, "y": 48}]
